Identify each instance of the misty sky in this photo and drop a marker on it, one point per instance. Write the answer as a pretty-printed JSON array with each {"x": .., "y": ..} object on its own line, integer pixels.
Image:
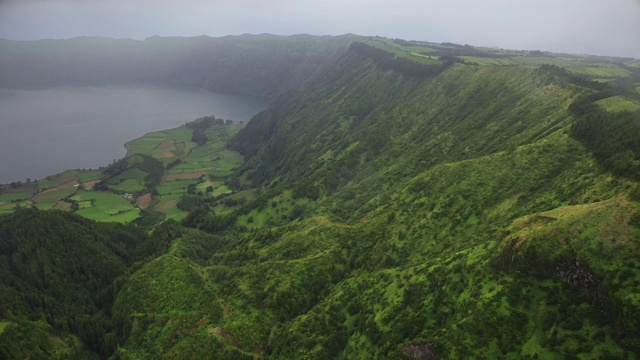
[{"x": 604, "y": 27}]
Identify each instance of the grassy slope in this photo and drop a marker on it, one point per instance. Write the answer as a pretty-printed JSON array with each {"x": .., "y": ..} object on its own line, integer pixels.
[
  {"x": 423, "y": 185},
  {"x": 452, "y": 214}
]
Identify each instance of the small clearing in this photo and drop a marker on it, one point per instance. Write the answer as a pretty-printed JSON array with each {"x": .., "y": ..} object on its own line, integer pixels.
[{"x": 3, "y": 325}]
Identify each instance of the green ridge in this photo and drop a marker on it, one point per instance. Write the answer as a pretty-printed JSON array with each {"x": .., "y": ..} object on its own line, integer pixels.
[{"x": 412, "y": 200}]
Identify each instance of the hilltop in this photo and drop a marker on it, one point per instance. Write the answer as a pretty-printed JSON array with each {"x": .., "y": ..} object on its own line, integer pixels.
[{"x": 408, "y": 199}]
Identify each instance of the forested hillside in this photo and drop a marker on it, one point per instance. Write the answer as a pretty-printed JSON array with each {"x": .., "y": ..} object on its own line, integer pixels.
[
  {"x": 411, "y": 200},
  {"x": 59, "y": 276}
]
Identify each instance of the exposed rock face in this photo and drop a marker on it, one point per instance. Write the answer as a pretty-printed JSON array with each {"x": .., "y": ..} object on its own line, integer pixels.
[
  {"x": 575, "y": 274},
  {"x": 423, "y": 351}
]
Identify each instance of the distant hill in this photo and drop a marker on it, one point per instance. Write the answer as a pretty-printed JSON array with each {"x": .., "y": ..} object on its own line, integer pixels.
[{"x": 258, "y": 65}]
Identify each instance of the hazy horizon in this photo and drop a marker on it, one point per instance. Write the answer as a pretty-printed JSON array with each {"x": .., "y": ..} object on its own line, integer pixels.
[{"x": 571, "y": 26}]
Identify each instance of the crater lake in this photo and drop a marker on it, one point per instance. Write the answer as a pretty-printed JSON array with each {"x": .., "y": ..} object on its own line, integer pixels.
[{"x": 46, "y": 131}]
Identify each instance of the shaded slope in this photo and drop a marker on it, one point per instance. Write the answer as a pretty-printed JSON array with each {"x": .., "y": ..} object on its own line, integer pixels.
[
  {"x": 429, "y": 173},
  {"x": 358, "y": 119},
  {"x": 59, "y": 268}
]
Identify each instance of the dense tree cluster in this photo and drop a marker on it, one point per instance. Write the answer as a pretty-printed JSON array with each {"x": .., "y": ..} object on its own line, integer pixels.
[{"x": 62, "y": 269}]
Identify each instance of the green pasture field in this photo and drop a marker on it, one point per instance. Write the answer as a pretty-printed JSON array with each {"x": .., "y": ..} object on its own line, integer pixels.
[
  {"x": 132, "y": 173},
  {"x": 45, "y": 206},
  {"x": 174, "y": 213},
  {"x": 182, "y": 135},
  {"x": 128, "y": 185},
  {"x": 146, "y": 143},
  {"x": 66, "y": 176},
  {"x": 618, "y": 103},
  {"x": 175, "y": 187},
  {"x": 54, "y": 196},
  {"x": 9, "y": 201},
  {"x": 168, "y": 153},
  {"x": 203, "y": 156},
  {"x": 85, "y": 204},
  {"x": 9, "y": 197},
  {"x": 48, "y": 183},
  {"x": 602, "y": 71},
  {"x": 419, "y": 52},
  {"x": 131, "y": 180},
  {"x": 414, "y": 52},
  {"x": 189, "y": 168},
  {"x": 104, "y": 204},
  {"x": 542, "y": 60},
  {"x": 212, "y": 157},
  {"x": 89, "y": 175},
  {"x": 100, "y": 214},
  {"x": 484, "y": 61},
  {"x": 605, "y": 70},
  {"x": 9, "y": 207}
]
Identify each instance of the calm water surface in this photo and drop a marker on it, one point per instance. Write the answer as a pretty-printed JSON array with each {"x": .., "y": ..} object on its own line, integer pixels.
[{"x": 43, "y": 132}]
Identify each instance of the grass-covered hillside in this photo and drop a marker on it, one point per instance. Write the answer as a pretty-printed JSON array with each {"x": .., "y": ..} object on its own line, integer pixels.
[{"x": 412, "y": 200}]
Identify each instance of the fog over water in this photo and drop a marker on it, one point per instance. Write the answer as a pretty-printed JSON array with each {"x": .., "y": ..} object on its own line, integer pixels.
[{"x": 43, "y": 132}]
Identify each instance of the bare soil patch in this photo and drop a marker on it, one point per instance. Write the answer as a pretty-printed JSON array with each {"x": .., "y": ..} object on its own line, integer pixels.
[
  {"x": 168, "y": 154},
  {"x": 90, "y": 184},
  {"x": 165, "y": 144},
  {"x": 143, "y": 201}
]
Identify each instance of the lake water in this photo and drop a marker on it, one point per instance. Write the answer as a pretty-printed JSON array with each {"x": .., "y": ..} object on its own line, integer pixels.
[{"x": 43, "y": 132}]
